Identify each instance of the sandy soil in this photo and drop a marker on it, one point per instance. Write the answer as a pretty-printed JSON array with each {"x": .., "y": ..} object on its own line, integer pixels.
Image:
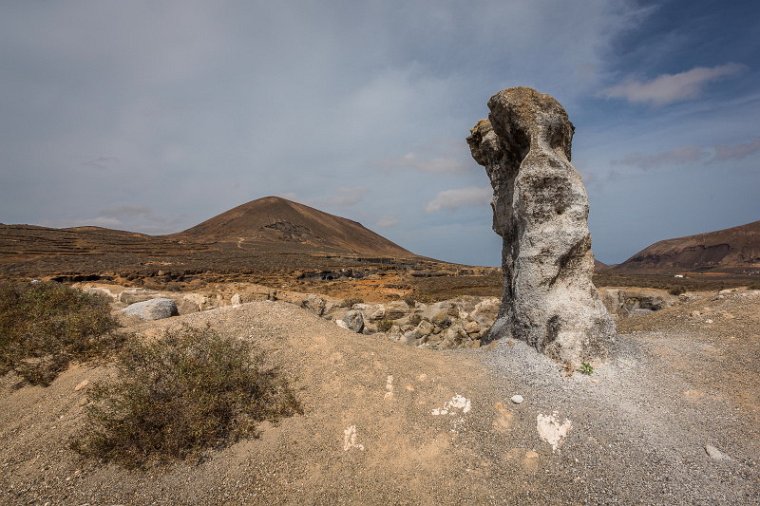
[{"x": 389, "y": 424}]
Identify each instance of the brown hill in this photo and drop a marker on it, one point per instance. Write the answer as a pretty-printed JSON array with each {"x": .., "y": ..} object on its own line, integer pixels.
[
  {"x": 264, "y": 238},
  {"x": 736, "y": 248},
  {"x": 272, "y": 221}
]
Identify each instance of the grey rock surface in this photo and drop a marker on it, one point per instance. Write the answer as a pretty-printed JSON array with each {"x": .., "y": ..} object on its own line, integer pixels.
[
  {"x": 354, "y": 321},
  {"x": 540, "y": 209},
  {"x": 153, "y": 309}
]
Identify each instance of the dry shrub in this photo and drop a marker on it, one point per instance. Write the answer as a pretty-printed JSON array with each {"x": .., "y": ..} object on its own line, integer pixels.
[
  {"x": 179, "y": 396},
  {"x": 45, "y": 326}
]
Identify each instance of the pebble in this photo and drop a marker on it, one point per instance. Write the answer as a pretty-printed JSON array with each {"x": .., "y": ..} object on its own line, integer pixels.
[
  {"x": 716, "y": 454},
  {"x": 517, "y": 399},
  {"x": 708, "y": 321},
  {"x": 82, "y": 384}
]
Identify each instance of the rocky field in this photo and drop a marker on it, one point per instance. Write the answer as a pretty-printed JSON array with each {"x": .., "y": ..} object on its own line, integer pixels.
[{"x": 672, "y": 416}]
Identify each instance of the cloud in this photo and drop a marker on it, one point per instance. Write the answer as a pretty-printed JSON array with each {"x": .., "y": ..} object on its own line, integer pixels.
[
  {"x": 432, "y": 165},
  {"x": 678, "y": 156},
  {"x": 459, "y": 197},
  {"x": 737, "y": 151},
  {"x": 344, "y": 196},
  {"x": 122, "y": 213},
  {"x": 669, "y": 88},
  {"x": 387, "y": 222},
  {"x": 102, "y": 162},
  {"x": 129, "y": 217}
]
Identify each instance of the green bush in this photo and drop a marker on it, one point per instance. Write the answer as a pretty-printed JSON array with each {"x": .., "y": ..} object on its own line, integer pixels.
[
  {"x": 181, "y": 395},
  {"x": 45, "y": 326}
]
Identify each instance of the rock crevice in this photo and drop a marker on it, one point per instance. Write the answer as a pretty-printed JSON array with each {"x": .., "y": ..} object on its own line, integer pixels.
[{"x": 540, "y": 209}]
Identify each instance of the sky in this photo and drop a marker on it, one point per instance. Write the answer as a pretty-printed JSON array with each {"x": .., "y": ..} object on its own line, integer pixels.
[{"x": 153, "y": 116}]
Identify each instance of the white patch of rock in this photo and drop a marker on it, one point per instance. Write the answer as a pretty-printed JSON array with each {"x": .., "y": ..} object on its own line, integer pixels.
[{"x": 551, "y": 431}]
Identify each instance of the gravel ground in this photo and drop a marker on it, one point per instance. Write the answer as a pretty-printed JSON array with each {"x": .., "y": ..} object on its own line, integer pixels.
[{"x": 389, "y": 424}]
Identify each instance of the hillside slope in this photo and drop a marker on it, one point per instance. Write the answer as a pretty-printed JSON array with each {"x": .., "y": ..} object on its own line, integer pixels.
[
  {"x": 736, "y": 248},
  {"x": 274, "y": 220}
]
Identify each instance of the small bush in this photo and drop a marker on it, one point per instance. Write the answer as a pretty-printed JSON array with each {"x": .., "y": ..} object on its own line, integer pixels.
[
  {"x": 410, "y": 301},
  {"x": 45, "y": 326},
  {"x": 349, "y": 303},
  {"x": 677, "y": 290},
  {"x": 178, "y": 396},
  {"x": 586, "y": 369}
]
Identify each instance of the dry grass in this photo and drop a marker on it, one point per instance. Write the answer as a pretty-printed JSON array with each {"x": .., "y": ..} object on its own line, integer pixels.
[
  {"x": 45, "y": 326},
  {"x": 179, "y": 396}
]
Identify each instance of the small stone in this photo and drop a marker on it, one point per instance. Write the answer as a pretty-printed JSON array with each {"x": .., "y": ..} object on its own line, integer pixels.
[
  {"x": 708, "y": 321},
  {"x": 716, "y": 454},
  {"x": 472, "y": 327},
  {"x": 82, "y": 384},
  {"x": 236, "y": 300},
  {"x": 517, "y": 399}
]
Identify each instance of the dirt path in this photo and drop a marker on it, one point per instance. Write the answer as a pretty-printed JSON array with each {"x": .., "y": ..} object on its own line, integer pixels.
[{"x": 389, "y": 424}]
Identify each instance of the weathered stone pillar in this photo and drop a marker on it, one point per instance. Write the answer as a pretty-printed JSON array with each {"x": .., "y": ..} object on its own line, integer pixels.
[{"x": 540, "y": 208}]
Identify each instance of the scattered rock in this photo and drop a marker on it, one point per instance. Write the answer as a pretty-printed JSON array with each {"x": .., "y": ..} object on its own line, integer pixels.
[
  {"x": 540, "y": 208},
  {"x": 153, "y": 309},
  {"x": 315, "y": 304},
  {"x": 396, "y": 310},
  {"x": 354, "y": 321},
  {"x": 82, "y": 384},
  {"x": 472, "y": 327},
  {"x": 192, "y": 303},
  {"x": 716, "y": 454},
  {"x": 517, "y": 399},
  {"x": 236, "y": 300}
]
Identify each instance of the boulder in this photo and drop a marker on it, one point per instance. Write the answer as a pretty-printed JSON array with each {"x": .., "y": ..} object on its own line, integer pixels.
[
  {"x": 471, "y": 327},
  {"x": 540, "y": 209},
  {"x": 396, "y": 310},
  {"x": 192, "y": 303},
  {"x": 315, "y": 304},
  {"x": 153, "y": 309},
  {"x": 354, "y": 321}
]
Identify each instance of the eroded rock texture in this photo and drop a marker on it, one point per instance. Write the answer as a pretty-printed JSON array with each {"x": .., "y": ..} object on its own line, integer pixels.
[{"x": 540, "y": 208}]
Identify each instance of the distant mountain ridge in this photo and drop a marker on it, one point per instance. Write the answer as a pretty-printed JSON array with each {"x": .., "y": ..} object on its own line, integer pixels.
[
  {"x": 266, "y": 226},
  {"x": 732, "y": 248}
]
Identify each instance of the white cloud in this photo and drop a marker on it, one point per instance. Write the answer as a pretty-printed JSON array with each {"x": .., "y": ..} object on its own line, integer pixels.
[
  {"x": 344, "y": 197},
  {"x": 737, "y": 151},
  {"x": 434, "y": 165},
  {"x": 459, "y": 197},
  {"x": 677, "y": 156},
  {"x": 387, "y": 222},
  {"x": 670, "y": 88}
]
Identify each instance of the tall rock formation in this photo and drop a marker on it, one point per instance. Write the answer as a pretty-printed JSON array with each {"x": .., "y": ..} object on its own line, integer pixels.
[{"x": 540, "y": 208}]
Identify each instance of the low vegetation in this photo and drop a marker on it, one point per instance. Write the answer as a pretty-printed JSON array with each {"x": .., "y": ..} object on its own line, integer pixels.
[
  {"x": 179, "y": 396},
  {"x": 45, "y": 326}
]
